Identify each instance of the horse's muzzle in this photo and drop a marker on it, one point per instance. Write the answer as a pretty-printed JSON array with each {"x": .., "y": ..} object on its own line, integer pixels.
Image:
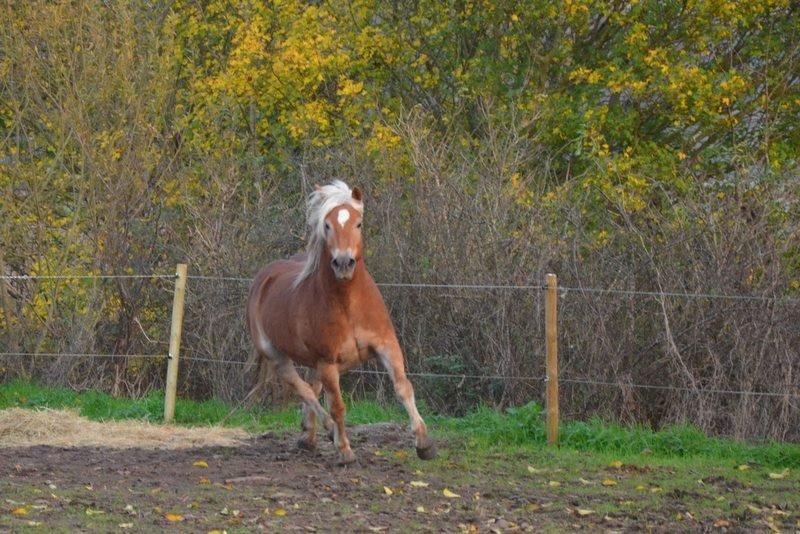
[{"x": 344, "y": 265}]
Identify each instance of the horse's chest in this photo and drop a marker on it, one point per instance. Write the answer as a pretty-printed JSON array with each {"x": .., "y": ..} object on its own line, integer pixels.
[{"x": 346, "y": 347}]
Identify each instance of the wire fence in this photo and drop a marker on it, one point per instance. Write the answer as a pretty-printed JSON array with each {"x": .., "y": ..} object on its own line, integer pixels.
[{"x": 563, "y": 290}]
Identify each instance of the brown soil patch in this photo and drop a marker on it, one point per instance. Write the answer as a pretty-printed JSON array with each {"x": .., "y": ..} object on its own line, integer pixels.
[{"x": 64, "y": 428}]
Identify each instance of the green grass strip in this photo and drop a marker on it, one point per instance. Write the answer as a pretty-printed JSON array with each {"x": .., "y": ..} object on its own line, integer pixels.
[{"x": 484, "y": 428}]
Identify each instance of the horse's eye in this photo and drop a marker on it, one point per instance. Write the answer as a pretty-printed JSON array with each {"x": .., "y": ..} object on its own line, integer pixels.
[
  {"x": 327, "y": 226},
  {"x": 358, "y": 225}
]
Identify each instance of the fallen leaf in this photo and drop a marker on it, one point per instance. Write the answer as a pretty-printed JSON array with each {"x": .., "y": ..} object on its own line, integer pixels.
[
  {"x": 125, "y": 525},
  {"x": 532, "y": 469},
  {"x": 616, "y": 464},
  {"x": 421, "y": 509},
  {"x": 609, "y": 482},
  {"x": 204, "y": 481},
  {"x": 387, "y": 490},
  {"x": 449, "y": 494},
  {"x": 173, "y": 518},
  {"x": 655, "y": 490},
  {"x": 400, "y": 455},
  {"x": 722, "y": 523},
  {"x": 554, "y": 483},
  {"x": 89, "y": 511},
  {"x": 19, "y": 511},
  {"x": 584, "y": 512},
  {"x": 217, "y": 531},
  {"x": 34, "y": 523},
  {"x": 280, "y": 512},
  {"x": 584, "y": 481},
  {"x": 640, "y": 488},
  {"x": 743, "y": 467},
  {"x": 778, "y": 476},
  {"x": 200, "y": 463},
  {"x": 419, "y": 484}
]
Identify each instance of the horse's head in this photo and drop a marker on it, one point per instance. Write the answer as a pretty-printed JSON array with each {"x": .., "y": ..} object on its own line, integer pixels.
[
  {"x": 334, "y": 221},
  {"x": 342, "y": 227}
]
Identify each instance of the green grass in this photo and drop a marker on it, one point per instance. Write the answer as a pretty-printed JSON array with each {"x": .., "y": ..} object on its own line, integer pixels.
[{"x": 487, "y": 429}]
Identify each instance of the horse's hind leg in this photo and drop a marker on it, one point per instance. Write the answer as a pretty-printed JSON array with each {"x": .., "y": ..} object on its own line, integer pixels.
[
  {"x": 310, "y": 399},
  {"x": 309, "y": 423},
  {"x": 329, "y": 375},
  {"x": 392, "y": 360}
]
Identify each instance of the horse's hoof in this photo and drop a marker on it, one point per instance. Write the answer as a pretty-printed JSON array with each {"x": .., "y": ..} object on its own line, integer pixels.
[
  {"x": 306, "y": 444},
  {"x": 427, "y": 453},
  {"x": 346, "y": 457}
]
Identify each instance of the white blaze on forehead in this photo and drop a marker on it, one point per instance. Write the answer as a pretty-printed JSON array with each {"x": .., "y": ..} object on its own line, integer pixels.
[{"x": 343, "y": 216}]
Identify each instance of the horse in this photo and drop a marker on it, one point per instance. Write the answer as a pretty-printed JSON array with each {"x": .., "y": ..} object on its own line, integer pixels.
[{"x": 323, "y": 310}]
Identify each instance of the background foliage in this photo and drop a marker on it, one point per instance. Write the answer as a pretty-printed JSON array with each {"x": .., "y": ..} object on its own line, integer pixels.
[{"x": 622, "y": 144}]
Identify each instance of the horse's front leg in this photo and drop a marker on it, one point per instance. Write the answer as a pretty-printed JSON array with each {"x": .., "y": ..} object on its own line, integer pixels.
[
  {"x": 391, "y": 357},
  {"x": 329, "y": 376}
]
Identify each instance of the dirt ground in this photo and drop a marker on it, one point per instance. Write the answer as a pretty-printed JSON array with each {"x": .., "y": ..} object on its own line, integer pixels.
[{"x": 266, "y": 483}]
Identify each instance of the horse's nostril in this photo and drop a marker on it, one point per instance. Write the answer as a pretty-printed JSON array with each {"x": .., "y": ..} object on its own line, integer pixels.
[
  {"x": 351, "y": 263},
  {"x": 335, "y": 263}
]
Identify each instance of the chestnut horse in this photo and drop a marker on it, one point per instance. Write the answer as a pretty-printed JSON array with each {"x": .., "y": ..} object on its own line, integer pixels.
[{"x": 323, "y": 310}]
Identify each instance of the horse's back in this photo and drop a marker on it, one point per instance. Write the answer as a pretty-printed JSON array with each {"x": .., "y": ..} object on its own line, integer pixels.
[{"x": 284, "y": 270}]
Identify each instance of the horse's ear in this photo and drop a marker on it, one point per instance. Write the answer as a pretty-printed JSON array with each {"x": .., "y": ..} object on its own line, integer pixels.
[{"x": 357, "y": 195}]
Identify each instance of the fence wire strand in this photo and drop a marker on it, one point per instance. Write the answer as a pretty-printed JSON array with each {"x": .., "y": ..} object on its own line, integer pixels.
[
  {"x": 81, "y": 355},
  {"x": 678, "y": 388},
  {"x": 535, "y": 287},
  {"x": 82, "y": 276},
  {"x": 632, "y": 292},
  {"x": 460, "y": 376}
]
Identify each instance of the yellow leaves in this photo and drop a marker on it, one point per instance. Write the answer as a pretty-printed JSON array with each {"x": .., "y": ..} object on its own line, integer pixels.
[
  {"x": 743, "y": 467},
  {"x": 388, "y": 491},
  {"x": 554, "y": 484},
  {"x": 173, "y": 518},
  {"x": 201, "y": 464},
  {"x": 91, "y": 512},
  {"x": 280, "y": 512},
  {"x": 616, "y": 464},
  {"x": 20, "y": 511},
  {"x": 348, "y": 87},
  {"x": 449, "y": 494},
  {"x": 418, "y": 484},
  {"x": 583, "y": 512},
  {"x": 204, "y": 481},
  {"x": 608, "y": 482},
  {"x": 587, "y": 75}
]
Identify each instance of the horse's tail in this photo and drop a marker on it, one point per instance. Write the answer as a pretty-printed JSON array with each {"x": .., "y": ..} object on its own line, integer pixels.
[{"x": 264, "y": 373}]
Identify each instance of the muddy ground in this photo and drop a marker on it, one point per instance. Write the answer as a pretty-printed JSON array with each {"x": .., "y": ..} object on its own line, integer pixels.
[{"x": 266, "y": 483}]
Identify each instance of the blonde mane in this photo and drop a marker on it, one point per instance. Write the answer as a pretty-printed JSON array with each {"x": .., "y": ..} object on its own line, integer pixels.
[{"x": 320, "y": 203}]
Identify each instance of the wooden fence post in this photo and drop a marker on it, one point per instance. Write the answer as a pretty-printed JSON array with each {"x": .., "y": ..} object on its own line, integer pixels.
[
  {"x": 175, "y": 343},
  {"x": 551, "y": 331}
]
